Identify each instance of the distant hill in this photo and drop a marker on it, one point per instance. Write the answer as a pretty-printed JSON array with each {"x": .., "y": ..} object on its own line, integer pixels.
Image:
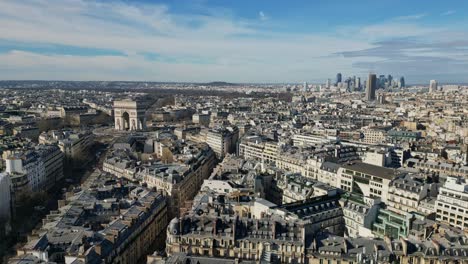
[{"x": 219, "y": 84}]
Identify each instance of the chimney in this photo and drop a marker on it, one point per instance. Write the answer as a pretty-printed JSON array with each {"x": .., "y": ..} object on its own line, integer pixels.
[
  {"x": 215, "y": 222},
  {"x": 274, "y": 230},
  {"x": 181, "y": 225},
  {"x": 98, "y": 249},
  {"x": 404, "y": 246},
  {"x": 388, "y": 242},
  {"x": 111, "y": 237},
  {"x": 436, "y": 246}
]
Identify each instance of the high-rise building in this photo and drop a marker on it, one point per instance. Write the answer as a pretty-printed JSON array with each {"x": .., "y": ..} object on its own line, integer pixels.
[
  {"x": 327, "y": 84},
  {"x": 371, "y": 87},
  {"x": 382, "y": 81},
  {"x": 348, "y": 84},
  {"x": 433, "y": 86},
  {"x": 402, "y": 82},
  {"x": 357, "y": 84},
  {"x": 389, "y": 80},
  {"x": 305, "y": 86},
  {"x": 338, "y": 78}
]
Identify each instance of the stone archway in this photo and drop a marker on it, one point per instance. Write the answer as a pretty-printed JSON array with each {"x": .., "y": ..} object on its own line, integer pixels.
[
  {"x": 129, "y": 115},
  {"x": 125, "y": 121}
]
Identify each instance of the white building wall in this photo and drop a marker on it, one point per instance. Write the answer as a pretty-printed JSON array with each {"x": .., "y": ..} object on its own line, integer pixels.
[{"x": 377, "y": 159}]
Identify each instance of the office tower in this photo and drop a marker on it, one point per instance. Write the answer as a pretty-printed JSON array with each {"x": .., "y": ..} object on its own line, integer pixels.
[
  {"x": 433, "y": 86},
  {"x": 371, "y": 87},
  {"x": 357, "y": 84},
  {"x": 402, "y": 82},
  {"x": 327, "y": 84},
  {"x": 348, "y": 85},
  {"x": 305, "y": 87},
  {"x": 389, "y": 79},
  {"x": 338, "y": 78},
  {"x": 382, "y": 80}
]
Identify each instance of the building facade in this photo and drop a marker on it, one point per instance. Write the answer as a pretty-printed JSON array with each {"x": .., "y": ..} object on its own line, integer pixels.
[
  {"x": 452, "y": 203},
  {"x": 223, "y": 140}
]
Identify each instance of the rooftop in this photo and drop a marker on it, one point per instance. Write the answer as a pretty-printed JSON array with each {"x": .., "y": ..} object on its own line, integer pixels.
[{"x": 370, "y": 169}]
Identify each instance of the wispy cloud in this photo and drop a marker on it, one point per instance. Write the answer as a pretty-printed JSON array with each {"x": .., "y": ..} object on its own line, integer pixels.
[
  {"x": 448, "y": 13},
  {"x": 189, "y": 47},
  {"x": 411, "y": 17},
  {"x": 91, "y": 40},
  {"x": 263, "y": 16}
]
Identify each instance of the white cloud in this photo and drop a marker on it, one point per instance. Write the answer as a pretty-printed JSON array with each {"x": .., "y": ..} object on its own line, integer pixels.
[
  {"x": 411, "y": 17},
  {"x": 396, "y": 30},
  {"x": 448, "y": 13},
  {"x": 135, "y": 29},
  {"x": 234, "y": 49}
]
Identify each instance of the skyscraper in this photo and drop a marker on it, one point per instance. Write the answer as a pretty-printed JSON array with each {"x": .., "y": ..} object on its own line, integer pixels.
[
  {"x": 327, "y": 84},
  {"x": 357, "y": 85},
  {"x": 348, "y": 85},
  {"x": 371, "y": 87},
  {"x": 305, "y": 87},
  {"x": 433, "y": 86},
  {"x": 338, "y": 78},
  {"x": 381, "y": 82},
  {"x": 402, "y": 82}
]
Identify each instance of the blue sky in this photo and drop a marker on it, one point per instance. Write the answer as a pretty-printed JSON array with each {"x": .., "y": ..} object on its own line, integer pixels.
[{"x": 235, "y": 41}]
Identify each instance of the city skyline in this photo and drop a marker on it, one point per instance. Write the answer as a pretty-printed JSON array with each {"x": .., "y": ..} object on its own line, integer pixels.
[{"x": 240, "y": 42}]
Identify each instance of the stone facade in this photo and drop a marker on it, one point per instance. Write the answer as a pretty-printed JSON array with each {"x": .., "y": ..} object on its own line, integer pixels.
[{"x": 129, "y": 115}]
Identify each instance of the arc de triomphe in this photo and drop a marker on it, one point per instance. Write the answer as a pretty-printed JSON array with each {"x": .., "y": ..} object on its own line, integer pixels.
[{"x": 129, "y": 115}]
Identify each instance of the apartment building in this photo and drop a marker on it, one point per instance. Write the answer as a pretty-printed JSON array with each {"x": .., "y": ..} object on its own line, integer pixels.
[
  {"x": 407, "y": 192},
  {"x": 307, "y": 140},
  {"x": 53, "y": 161},
  {"x": 259, "y": 148},
  {"x": 452, "y": 203},
  {"x": 359, "y": 214},
  {"x": 179, "y": 181},
  {"x": 131, "y": 219},
  {"x": 31, "y": 165},
  {"x": 374, "y": 135},
  {"x": 366, "y": 179},
  {"x": 121, "y": 167},
  {"x": 223, "y": 140},
  {"x": 74, "y": 145},
  {"x": 438, "y": 167},
  {"x": 35, "y": 170},
  {"x": 201, "y": 119}
]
